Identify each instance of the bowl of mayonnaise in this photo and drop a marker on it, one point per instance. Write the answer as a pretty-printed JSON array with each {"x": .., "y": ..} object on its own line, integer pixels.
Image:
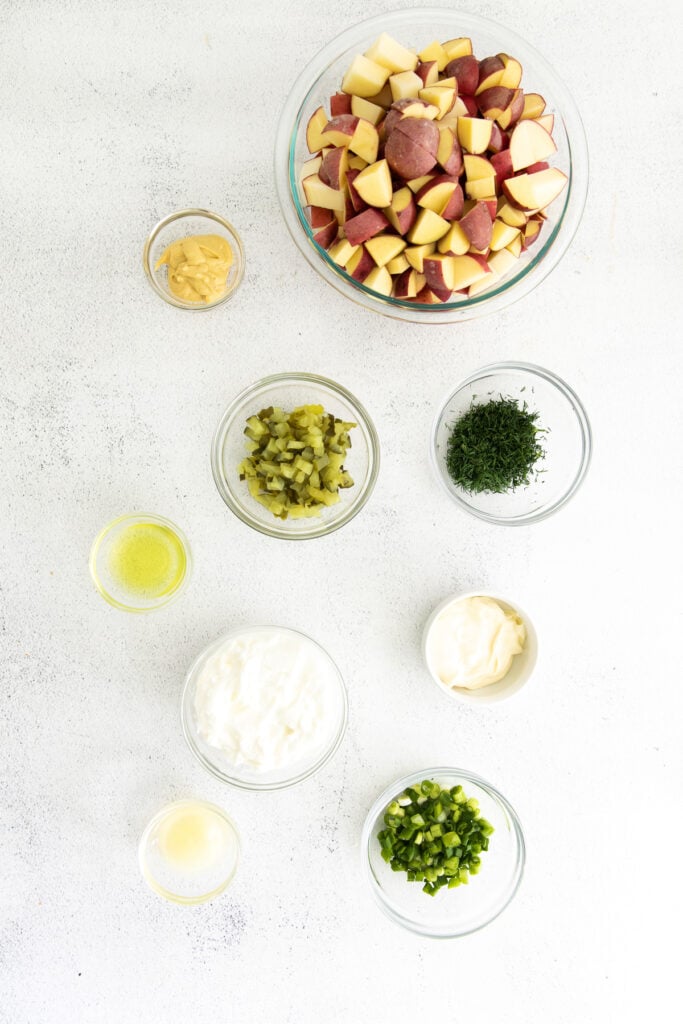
[{"x": 479, "y": 647}]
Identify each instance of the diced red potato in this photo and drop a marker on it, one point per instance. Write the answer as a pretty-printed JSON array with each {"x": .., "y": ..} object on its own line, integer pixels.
[
  {"x": 465, "y": 70},
  {"x": 502, "y": 163},
  {"x": 365, "y": 225},
  {"x": 340, "y": 103},
  {"x": 477, "y": 226},
  {"x": 402, "y": 122},
  {"x": 358, "y": 204},
  {"x": 334, "y": 167},
  {"x": 412, "y": 147}
]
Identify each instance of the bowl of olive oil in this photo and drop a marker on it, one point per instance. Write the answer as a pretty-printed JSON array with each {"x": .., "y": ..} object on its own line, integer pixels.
[{"x": 140, "y": 562}]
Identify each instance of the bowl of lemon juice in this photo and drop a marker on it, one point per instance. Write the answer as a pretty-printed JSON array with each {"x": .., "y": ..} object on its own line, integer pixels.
[
  {"x": 189, "y": 851},
  {"x": 140, "y": 562}
]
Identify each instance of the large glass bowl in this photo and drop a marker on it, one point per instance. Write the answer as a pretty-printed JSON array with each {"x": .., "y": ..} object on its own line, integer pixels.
[
  {"x": 451, "y": 913},
  {"x": 416, "y": 28},
  {"x": 289, "y": 390},
  {"x": 566, "y": 441}
]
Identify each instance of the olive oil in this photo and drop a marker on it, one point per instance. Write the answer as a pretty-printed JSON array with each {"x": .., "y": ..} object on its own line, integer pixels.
[{"x": 148, "y": 560}]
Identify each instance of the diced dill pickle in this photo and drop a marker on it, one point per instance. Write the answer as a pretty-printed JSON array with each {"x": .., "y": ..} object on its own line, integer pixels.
[{"x": 295, "y": 460}]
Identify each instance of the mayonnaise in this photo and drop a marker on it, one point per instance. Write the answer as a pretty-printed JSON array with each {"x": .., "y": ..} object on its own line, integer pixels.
[
  {"x": 266, "y": 699},
  {"x": 472, "y": 642}
]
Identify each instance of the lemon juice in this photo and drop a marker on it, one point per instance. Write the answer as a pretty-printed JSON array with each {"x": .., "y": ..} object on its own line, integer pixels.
[
  {"x": 147, "y": 559},
  {"x": 194, "y": 838}
]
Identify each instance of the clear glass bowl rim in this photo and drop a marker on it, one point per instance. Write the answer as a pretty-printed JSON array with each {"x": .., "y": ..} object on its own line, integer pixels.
[
  {"x": 584, "y": 424},
  {"x": 389, "y": 794},
  {"x": 319, "y": 527},
  {"x": 151, "y": 517},
  {"x": 235, "y": 781},
  {"x": 511, "y": 289},
  {"x": 160, "y": 890},
  {"x": 199, "y": 307}
]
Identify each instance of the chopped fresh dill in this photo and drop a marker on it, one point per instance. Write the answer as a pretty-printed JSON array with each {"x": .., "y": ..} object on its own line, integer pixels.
[{"x": 494, "y": 447}]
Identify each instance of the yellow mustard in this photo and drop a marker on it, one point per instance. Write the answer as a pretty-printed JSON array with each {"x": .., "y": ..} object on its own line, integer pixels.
[{"x": 198, "y": 267}]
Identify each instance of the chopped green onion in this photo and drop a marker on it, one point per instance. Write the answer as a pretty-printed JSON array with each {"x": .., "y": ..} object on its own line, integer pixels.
[{"x": 435, "y": 836}]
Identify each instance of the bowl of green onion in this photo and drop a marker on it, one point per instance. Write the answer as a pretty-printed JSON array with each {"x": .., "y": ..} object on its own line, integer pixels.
[
  {"x": 443, "y": 852},
  {"x": 511, "y": 443}
]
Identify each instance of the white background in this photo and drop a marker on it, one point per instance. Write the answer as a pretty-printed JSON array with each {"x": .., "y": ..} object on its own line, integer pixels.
[{"x": 112, "y": 116}]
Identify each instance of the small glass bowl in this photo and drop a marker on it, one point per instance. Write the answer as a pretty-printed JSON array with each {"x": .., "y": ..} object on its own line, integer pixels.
[
  {"x": 515, "y": 678},
  {"x": 416, "y": 28},
  {"x": 451, "y": 913},
  {"x": 183, "y": 224},
  {"x": 567, "y": 442},
  {"x": 108, "y": 586},
  {"x": 188, "y": 887},
  {"x": 289, "y": 390},
  {"x": 242, "y": 777}
]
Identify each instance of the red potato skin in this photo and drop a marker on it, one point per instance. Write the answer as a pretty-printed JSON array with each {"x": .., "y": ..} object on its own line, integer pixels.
[
  {"x": 344, "y": 123},
  {"x": 454, "y": 206},
  {"x": 358, "y": 204},
  {"x": 471, "y": 105},
  {"x": 326, "y": 236},
  {"x": 340, "y": 103},
  {"x": 481, "y": 260},
  {"x": 407, "y": 216},
  {"x": 402, "y": 286},
  {"x": 516, "y": 107},
  {"x": 500, "y": 140},
  {"x": 454, "y": 163},
  {"x": 540, "y": 165},
  {"x": 533, "y": 238},
  {"x": 317, "y": 217},
  {"x": 365, "y": 225},
  {"x": 411, "y": 148},
  {"x": 433, "y": 272},
  {"x": 423, "y": 69},
  {"x": 465, "y": 70},
  {"x": 427, "y": 296},
  {"x": 478, "y": 226},
  {"x": 390, "y": 122},
  {"x": 496, "y": 97},
  {"x": 492, "y": 205},
  {"x": 405, "y": 103},
  {"x": 502, "y": 163},
  {"x": 487, "y": 66},
  {"x": 330, "y": 169},
  {"x": 406, "y": 158},
  {"x": 365, "y": 265}
]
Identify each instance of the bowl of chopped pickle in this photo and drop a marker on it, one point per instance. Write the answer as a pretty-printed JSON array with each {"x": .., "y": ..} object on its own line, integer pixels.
[
  {"x": 511, "y": 444},
  {"x": 443, "y": 852},
  {"x": 295, "y": 456}
]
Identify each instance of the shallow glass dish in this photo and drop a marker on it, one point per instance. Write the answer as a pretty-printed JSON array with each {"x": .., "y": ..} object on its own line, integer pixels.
[
  {"x": 451, "y": 913},
  {"x": 199, "y": 883},
  {"x": 289, "y": 390},
  {"x": 183, "y": 224},
  {"x": 567, "y": 442},
  {"x": 415, "y": 29},
  {"x": 112, "y": 589},
  {"x": 242, "y": 776}
]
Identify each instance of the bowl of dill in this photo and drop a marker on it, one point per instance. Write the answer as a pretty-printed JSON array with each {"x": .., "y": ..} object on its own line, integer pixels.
[{"x": 511, "y": 444}]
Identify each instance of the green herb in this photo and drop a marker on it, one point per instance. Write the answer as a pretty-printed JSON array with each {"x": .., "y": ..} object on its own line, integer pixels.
[
  {"x": 494, "y": 446},
  {"x": 435, "y": 835}
]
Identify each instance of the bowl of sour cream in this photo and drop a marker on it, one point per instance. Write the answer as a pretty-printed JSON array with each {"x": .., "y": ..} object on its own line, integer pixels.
[
  {"x": 479, "y": 647},
  {"x": 264, "y": 707}
]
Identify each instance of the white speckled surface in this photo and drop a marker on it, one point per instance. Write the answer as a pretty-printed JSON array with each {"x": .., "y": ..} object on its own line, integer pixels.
[{"x": 112, "y": 116}]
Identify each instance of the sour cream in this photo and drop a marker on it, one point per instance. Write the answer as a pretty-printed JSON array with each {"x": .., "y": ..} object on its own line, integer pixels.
[
  {"x": 472, "y": 642},
  {"x": 267, "y": 700}
]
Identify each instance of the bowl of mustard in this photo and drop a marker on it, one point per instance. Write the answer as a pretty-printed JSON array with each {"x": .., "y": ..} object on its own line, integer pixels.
[{"x": 194, "y": 259}]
